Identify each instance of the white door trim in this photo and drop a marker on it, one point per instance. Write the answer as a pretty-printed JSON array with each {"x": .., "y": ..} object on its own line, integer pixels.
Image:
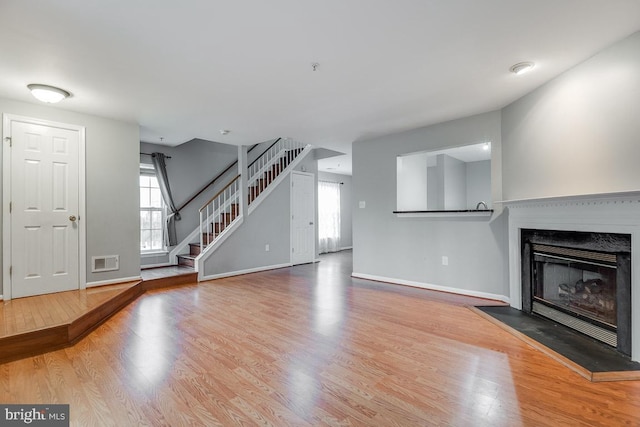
[
  {"x": 6, "y": 198},
  {"x": 291, "y": 233}
]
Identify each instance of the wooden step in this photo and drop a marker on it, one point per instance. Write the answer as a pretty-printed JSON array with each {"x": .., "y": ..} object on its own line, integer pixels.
[
  {"x": 254, "y": 192},
  {"x": 187, "y": 260},
  {"x": 65, "y": 318},
  {"x": 208, "y": 238},
  {"x": 194, "y": 249},
  {"x": 218, "y": 227},
  {"x": 228, "y": 217}
]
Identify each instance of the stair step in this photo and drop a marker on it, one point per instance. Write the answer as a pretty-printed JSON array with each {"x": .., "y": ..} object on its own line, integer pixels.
[
  {"x": 194, "y": 249},
  {"x": 208, "y": 237},
  {"x": 228, "y": 217},
  {"x": 187, "y": 260},
  {"x": 218, "y": 227}
]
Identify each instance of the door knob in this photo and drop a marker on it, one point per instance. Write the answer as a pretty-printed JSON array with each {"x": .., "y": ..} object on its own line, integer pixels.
[
  {"x": 72, "y": 218},
  {"x": 311, "y": 223}
]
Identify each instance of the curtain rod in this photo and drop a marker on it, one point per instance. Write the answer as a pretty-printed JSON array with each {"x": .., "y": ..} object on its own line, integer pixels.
[
  {"x": 332, "y": 182},
  {"x": 149, "y": 154}
]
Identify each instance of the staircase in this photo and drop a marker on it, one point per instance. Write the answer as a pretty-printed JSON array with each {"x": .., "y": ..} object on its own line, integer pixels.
[
  {"x": 263, "y": 176},
  {"x": 224, "y": 210}
]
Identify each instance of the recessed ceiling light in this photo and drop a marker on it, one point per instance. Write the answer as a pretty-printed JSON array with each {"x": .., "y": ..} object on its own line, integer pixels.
[
  {"x": 224, "y": 131},
  {"x": 521, "y": 67},
  {"x": 48, "y": 94}
]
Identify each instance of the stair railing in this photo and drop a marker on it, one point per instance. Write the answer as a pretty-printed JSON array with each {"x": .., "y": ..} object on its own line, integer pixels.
[
  {"x": 271, "y": 163},
  {"x": 213, "y": 181},
  {"x": 220, "y": 212}
]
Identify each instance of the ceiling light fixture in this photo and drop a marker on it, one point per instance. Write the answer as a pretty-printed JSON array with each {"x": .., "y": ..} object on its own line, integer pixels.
[
  {"x": 48, "y": 94},
  {"x": 521, "y": 67},
  {"x": 224, "y": 131},
  {"x": 315, "y": 66}
]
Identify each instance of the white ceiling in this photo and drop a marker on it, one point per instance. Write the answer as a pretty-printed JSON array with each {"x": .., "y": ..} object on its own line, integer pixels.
[{"x": 187, "y": 69}]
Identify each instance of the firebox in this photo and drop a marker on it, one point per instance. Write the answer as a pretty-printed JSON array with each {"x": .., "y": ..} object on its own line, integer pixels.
[{"x": 580, "y": 280}]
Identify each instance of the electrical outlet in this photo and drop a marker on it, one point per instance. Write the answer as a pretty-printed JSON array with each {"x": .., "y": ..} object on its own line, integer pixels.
[
  {"x": 445, "y": 260},
  {"x": 266, "y": 247}
]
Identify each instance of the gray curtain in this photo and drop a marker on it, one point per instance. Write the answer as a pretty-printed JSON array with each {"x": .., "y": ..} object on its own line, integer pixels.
[{"x": 160, "y": 166}]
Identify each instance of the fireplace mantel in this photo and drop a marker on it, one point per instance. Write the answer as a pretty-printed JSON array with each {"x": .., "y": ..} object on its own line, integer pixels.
[
  {"x": 576, "y": 198},
  {"x": 606, "y": 213}
]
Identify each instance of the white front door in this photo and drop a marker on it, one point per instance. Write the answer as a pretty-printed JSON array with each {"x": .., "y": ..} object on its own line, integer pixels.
[
  {"x": 303, "y": 231},
  {"x": 44, "y": 206}
]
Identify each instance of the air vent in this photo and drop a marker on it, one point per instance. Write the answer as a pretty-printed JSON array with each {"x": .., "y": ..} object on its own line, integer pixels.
[{"x": 105, "y": 263}]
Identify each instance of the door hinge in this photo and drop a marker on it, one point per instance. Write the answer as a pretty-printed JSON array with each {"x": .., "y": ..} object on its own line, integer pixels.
[
  {"x": 8, "y": 138},
  {"x": 10, "y": 270},
  {"x": 10, "y": 206},
  {"x": 293, "y": 250}
]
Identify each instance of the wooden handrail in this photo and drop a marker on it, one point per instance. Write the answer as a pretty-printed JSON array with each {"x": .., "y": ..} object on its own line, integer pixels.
[
  {"x": 219, "y": 192},
  {"x": 192, "y": 198}
]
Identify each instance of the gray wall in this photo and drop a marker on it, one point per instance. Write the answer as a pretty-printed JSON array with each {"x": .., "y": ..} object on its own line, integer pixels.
[
  {"x": 112, "y": 187},
  {"x": 579, "y": 133},
  {"x": 192, "y": 165},
  {"x": 412, "y": 182},
  {"x": 455, "y": 182},
  {"x": 411, "y": 249},
  {"x": 478, "y": 183},
  {"x": 346, "y": 234},
  {"x": 245, "y": 248}
]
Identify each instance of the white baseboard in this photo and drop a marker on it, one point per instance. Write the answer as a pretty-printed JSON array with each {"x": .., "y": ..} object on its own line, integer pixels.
[
  {"x": 240, "y": 272},
  {"x": 113, "y": 281},
  {"x": 346, "y": 248},
  {"x": 432, "y": 287}
]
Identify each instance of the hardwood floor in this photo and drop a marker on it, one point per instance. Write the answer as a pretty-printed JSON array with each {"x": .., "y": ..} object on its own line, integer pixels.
[{"x": 309, "y": 345}]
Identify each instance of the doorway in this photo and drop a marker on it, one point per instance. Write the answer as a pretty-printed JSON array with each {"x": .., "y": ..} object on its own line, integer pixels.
[
  {"x": 43, "y": 207},
  {"x": 303, "y": 229}
]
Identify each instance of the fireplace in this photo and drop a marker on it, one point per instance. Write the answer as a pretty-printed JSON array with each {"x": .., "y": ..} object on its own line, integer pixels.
[{"x": 581, "y": 280}]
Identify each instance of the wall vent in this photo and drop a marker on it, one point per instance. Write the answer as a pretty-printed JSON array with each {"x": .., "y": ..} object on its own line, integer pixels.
[{"x": 105, "y": 263}]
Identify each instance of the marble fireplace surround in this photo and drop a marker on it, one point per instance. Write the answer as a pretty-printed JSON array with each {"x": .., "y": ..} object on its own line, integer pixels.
[{"x": 602, "y": 213}]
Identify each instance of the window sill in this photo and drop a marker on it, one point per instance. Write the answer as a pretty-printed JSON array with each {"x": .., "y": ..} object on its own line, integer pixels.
[{"x": 153, "y": 253}]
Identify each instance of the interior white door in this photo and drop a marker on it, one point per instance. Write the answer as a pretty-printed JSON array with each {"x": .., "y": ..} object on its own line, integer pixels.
[
  {"x": 303, "y": 231},
  {"x": 44, "y": 208}
]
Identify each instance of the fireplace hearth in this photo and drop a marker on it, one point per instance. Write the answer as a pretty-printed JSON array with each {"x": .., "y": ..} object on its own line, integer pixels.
[{"x": 581, "y": 280}]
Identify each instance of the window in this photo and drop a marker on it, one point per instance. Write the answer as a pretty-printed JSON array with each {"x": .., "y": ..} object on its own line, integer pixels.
[
  {"x": 329, "y": 216},
  {"x": 152, "y": 211}
]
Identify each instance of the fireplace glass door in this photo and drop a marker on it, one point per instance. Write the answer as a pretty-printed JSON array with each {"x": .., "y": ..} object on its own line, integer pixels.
[{"x": 579, "y": 283}]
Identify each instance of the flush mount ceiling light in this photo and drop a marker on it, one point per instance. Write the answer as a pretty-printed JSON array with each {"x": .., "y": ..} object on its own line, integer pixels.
[
  {"x": 521, "y": 67},
  {"x": 48, "y": 94},
  {"x": 224, "y": 131}
]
